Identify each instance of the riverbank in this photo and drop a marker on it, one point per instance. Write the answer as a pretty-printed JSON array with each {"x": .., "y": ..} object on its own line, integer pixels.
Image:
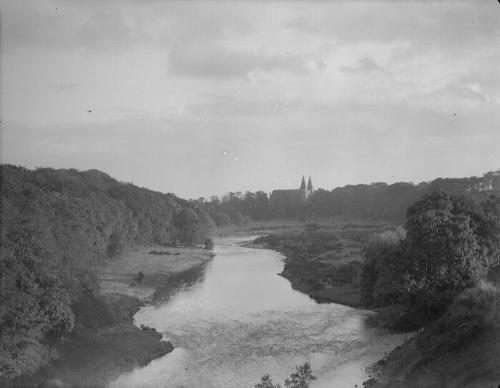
[
  {"x": 460, "y": 349},
  {"x": 323, "y": 260},
  {"x": 105, "y": 343}
]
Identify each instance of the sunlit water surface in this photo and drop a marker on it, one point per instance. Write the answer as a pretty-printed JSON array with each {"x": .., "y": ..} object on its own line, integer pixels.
[{"x": 243, "y": 320}]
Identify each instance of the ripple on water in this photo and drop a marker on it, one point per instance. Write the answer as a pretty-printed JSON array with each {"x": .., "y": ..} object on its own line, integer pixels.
[{"x": 243, "y": 321}]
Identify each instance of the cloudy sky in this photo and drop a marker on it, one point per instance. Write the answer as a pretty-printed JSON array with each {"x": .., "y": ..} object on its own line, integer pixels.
[{"x": 201, "y": 98}]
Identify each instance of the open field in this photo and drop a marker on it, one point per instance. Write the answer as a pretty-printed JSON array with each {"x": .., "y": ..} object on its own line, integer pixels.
[{"x": 121, "y": 276}]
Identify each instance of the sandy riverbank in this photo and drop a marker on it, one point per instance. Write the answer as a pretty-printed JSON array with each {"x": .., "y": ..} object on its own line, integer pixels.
[{"x": 105, "y": 343}]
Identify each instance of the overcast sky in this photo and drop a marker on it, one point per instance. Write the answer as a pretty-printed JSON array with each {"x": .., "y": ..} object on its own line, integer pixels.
[{"x": 201, "y": 98}]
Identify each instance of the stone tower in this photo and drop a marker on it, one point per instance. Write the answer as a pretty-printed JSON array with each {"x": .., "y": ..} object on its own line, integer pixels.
[
  {"x": 310, "y": 188},
  {"x": 303, "y": 185}
]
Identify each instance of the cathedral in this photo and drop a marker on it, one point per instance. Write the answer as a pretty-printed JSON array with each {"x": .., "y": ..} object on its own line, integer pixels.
[{"x": 302, "y": 193}]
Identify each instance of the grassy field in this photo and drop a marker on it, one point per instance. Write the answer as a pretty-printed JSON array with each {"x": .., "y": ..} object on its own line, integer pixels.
[{"x": 121, "y": 276}]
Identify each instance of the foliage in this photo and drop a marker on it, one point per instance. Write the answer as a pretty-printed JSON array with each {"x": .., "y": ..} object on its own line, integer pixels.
[
  {"x": 444, "y": 250},
  {"x": 221, "y": 220},
  {"x": 473, "y": 311},
  {"x": 190, "y": 230},
  {"x": 374, "y": 201},
  {"x": 267, "y": 382},
  {"x": 56, "y": 226},
  {"x": 208, "y": 244},
  {"x": 451, "y": 242},
  {"x": 379, "y": 280},
  {"x": 301, "y": 378}
]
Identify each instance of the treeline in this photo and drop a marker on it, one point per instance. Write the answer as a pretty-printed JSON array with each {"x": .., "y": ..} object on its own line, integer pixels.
[
  {"x": 449, "y": 244},
  {"x": 56, "y": 225},
  {"x": 373, "y": 201},
  {"x": 389, "y": 202}
]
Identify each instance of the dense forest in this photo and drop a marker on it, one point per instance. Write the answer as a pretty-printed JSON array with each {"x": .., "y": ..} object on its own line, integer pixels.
[
  {"x": 373, "y": 201},
  {"x": 56, "y": 226}
]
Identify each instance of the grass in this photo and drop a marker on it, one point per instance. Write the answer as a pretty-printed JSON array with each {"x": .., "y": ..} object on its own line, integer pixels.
[
  {"x": 460, "y": 349},
  {"x": 324, "y": 258}
]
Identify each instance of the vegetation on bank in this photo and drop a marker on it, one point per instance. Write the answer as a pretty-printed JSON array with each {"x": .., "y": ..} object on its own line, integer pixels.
[
  {"x": 301, "y": 378},
  {"x": 429, "y": 275},
  {"x": 459, "y": 349},
  {"x": 325, "y": 262},
  {"x": 56, "y": 226},
  {"x": 449, "y": 244},
  {"x": 378, "y": 200},
  {"x": 434, "y": 277}
]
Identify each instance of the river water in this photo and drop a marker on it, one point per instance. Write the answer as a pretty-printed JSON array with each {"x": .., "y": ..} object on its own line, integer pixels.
[{"x": 242, "y": 320}]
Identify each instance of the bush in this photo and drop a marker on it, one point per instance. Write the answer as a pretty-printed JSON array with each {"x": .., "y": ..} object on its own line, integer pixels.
[
  {"x": 472, "y": 312},
  {"x": 301, "y": 378},
  {"x": 209, "y": 244},
  {"x": 450, "y": 244},
  {"x": 383, "y": 268}
]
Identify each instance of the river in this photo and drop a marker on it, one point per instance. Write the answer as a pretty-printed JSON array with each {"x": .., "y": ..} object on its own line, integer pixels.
[{"x": 242, "y": 320}]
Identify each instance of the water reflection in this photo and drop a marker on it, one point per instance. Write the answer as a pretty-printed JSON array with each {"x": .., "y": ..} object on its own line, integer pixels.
[{"x": 243, "y": 321}]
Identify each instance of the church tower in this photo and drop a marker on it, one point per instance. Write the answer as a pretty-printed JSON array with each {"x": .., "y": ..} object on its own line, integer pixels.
[
  {"x": 302, "y": 189},
  {"x": 310, "y": 188},
  {"x": 303, "y": 185}
]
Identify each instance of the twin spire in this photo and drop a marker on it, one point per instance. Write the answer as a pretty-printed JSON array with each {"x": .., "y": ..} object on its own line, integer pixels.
[{"x": 306, "y": 189}]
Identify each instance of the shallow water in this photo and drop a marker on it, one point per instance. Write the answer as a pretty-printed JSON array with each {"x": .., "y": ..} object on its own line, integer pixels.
[{"x": 242, "y": 320}]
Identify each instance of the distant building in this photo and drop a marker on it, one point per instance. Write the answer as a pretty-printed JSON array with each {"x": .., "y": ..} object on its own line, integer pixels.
[
  {"x": 294, "y": 195},
  {"x": 488, "y": 182}
]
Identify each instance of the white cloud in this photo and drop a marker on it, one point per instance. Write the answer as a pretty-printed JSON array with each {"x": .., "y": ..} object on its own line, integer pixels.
[{"x": 345, "y": 90}]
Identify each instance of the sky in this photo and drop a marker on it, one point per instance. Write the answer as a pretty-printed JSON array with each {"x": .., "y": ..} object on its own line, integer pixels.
[{"x": 202, "y": 98}]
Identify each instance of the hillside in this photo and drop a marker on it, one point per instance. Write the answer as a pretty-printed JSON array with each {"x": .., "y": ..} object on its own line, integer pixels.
[
  {"x": 461, "y": 349},
  {"x": 57, "y": 226}
]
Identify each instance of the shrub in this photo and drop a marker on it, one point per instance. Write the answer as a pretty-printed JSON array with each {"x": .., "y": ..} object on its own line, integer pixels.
[
  {"x": 301, "y": 378},
  {"x": 209, "y": 244},
  {"x": 472, "y": 312},
  {"x": 383, "y": 268}
]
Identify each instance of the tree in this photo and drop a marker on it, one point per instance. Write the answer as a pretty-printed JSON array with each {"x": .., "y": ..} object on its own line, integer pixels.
[
  {"x": 221, "y": 220},
  {"x": 237, "y": 219},
  {"x": 383, "y": 268},
  {"x": 56, "y": 226},
  {"x": 444, "y": 251},
  {"x": 208, "y": 244},
  {"x": 191, "y": 231},
  {"x": 302, "y": 378},
  {"x": 266, "y": 382}
]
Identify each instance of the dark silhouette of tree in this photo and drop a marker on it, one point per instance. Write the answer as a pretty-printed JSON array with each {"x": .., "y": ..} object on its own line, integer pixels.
[
  {"x": 267, "y": 382},
  {"x": 190, "y": 231},
  {"x": 301, "y": 378}
]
